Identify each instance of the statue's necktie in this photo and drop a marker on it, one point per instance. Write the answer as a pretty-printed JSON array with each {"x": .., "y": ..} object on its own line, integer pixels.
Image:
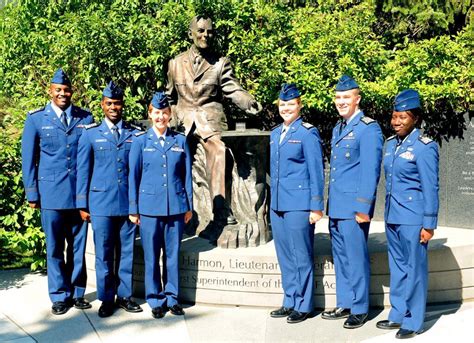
[
  {"x": 162, "y": 141},
  {"x": 197, "y": 62}
]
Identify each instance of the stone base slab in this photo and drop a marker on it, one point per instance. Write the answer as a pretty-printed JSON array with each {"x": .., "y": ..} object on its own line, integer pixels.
[{"x": 251, "y": 276}]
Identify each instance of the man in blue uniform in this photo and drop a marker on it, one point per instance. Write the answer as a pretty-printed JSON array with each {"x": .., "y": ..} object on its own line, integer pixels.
[
  {"x": 49, "y": 151},
  {"x": 411, "y": 214},
  {"x": 102, "y": 194},
  {"x": 354, "y": 173},
  {"x": 297, "y": 185}
]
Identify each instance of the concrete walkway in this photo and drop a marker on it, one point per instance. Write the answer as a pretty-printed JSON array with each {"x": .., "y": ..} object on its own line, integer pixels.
[{"x": 25, "y": 317}]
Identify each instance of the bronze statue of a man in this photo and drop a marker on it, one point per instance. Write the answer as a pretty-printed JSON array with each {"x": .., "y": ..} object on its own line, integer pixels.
[{"x": 198, "y": 81}]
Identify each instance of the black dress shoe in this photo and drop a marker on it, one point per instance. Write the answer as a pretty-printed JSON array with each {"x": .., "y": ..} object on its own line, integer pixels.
[
  {"x": 60, "y": 307},
  {"x": 81, "y": 303},
  {"x": 177, "y": 310},
  {"x": 296, "y": 317},
  {"x": 128, "y": 305},
  {"x": 355, "y": 321},
  {"x": 158, "y": 312},
  {"x": 388, "y": 325},
  {"x": 337, "y": 313},
  {"x": 281, "y": 312},
  {"x": 404, "y": 333},
  {"x": 106, "y": 309}
]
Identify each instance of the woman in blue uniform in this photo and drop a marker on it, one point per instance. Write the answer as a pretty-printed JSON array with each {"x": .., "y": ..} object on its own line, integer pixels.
[
  {"x": 161, "y": 200},
  {"x": 411, "y": 214},
  {"x": 297, "y": 182}
]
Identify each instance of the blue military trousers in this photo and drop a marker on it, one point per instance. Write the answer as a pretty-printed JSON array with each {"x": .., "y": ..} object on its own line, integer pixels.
[
  {"x": 67, "y": 277},
  {"x": 161, "y": 233},
  {"x": 408, "y": 262},
  {"x": 114, "y": 238},
  {"x": 351, "y": 263},
  {"x": 294, "y": 239}
]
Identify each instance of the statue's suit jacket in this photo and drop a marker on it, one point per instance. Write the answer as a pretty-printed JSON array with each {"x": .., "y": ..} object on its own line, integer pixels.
[{"x": 196, "y": 95}]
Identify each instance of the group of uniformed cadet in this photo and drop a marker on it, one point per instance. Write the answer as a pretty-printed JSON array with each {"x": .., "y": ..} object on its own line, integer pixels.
[
  {"x": 411, "y": 206},
  {"x": 117, "y": 177}
]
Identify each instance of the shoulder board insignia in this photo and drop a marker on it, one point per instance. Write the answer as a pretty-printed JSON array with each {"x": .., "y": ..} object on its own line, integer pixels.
[
  {"x": 391, "y": 137},
  {"x": 307, "y": 125},
  {"x": 275, "y": 126},
  {"x": 35, "y": 110},
  {"x": 77, "y": 108},
  {"x": 367, "y": 120},
  {"x": 136, "y": 127},
  {"x": 90, "y": 126},
  {"x": 425, "y": 140},
  {"x": 139, "y": 133}
]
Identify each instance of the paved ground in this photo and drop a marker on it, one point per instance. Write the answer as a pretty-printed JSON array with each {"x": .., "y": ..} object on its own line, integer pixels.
[{"x": 25, "y": 317}]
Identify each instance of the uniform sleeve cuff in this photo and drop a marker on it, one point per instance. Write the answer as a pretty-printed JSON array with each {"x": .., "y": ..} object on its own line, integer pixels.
[
  {"x": 430, "y": 222},
  {"x": 132, "y": 207},
  {"x": 362, "y": 207},
  {"x": 81, "y": 201},
  {"x": 317, "y": 205},
  {"x": 32, "y": 196}
]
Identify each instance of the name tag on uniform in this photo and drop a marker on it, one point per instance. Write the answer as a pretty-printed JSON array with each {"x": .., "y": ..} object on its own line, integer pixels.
[
  {"x": 350, "y": 136},
  {"x": 149, "y": 149},
  {"x": 47, "y": 127},
  {"x": 294, "y": 141},
  {"x": 177, "y": 149},
  {"x": 407, "y": 155},
  {"x": 128, "y": 141},
  {"x": 100, "y": 140},
  {"x": 80, "y": 125}
]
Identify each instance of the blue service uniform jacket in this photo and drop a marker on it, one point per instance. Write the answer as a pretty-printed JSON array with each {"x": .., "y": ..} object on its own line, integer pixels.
[
  {"x": 356, "y": 155},
  {"x": 102, "y": 170},
  {"x": 160, "y": 179},
  {"x": 297, "y": 169},
  {"x": 411, "y": 174},
  {"x": 49, "y": 156}
]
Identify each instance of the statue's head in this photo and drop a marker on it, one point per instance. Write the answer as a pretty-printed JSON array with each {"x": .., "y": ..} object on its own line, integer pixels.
[{"x": 201, "y": 32}]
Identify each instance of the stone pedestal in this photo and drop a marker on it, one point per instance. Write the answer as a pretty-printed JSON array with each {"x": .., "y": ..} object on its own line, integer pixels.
[
  {"x": 247, "y": 164},
  {"x": 252, "y": 276}
]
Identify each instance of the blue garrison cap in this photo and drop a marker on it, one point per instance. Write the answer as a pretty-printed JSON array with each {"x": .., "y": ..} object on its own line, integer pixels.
[
  {"x": 289, "y": 91},
  {"x": 113, "y": 91},
  {"x": 346, "y": 83},
  {"x": 160, "y": 100},
  {"x": 408, "y": 99},
  {"x": 60, "y": 78}
]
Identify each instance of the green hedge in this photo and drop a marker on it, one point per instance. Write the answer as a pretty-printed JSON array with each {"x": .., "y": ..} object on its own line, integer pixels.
[{"x": 386, "y": 46}]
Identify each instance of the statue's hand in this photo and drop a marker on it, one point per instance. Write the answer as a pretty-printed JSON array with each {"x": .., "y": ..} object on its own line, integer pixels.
[{"x": 254, "y": 107}]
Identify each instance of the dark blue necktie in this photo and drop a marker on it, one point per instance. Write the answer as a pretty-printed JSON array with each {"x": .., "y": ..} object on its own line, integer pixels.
[
  {"x": 342, "y": 127},
  {"x": 63, "y": 119},
  {"x": 116, "y": 133}
]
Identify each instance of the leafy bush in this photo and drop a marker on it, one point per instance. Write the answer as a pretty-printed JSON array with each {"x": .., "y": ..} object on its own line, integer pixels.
[{"x": 21, "y": 238}]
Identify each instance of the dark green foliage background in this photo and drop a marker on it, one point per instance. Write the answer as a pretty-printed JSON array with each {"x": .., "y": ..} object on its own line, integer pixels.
[{"x": 386, "y": 45}]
